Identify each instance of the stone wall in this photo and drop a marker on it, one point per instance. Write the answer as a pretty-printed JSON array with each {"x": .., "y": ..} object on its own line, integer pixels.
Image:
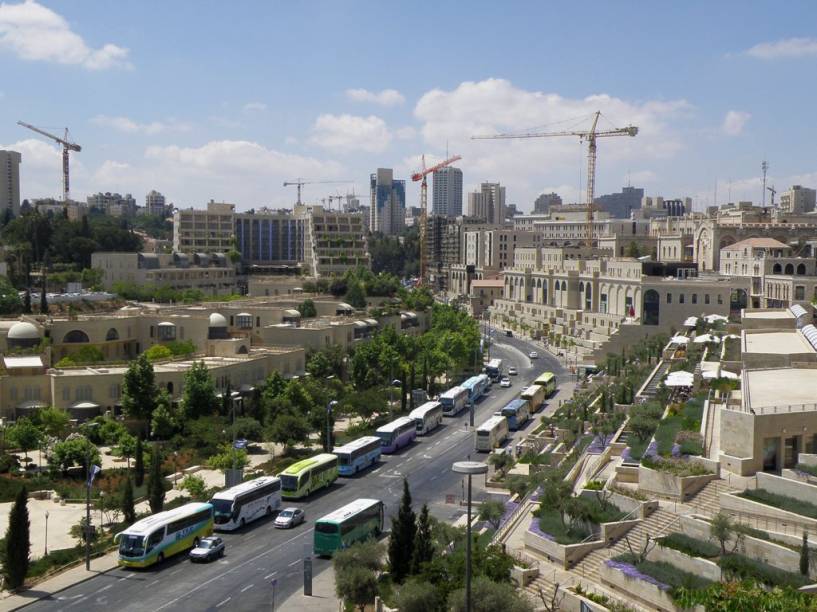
[
  {"x": 790, "y": 488},
  {"x": 669, "y": 485}
]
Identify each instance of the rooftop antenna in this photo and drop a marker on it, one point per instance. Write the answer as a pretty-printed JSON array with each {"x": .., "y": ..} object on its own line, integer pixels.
[
  {"x": 764, "y": 166},
  {"x": 628, "y": 178}
]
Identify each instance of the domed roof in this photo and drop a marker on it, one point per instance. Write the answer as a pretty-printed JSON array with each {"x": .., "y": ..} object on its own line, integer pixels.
[
  {"x": 23, "y": 330},
  {"x": 217, "y": 320}
]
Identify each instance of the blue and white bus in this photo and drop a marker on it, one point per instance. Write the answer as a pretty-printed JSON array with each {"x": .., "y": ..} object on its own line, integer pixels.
[
  {"x": 397, "y": 434},
  {"x": 517, "y": 412},
  {"x": 494, "y": 369},
  {"x": 427, "y": 417},
  {"x": 358, "y": 455},
  {"x": 454, "y": 401},
  {"x": 476, "y": 387}
]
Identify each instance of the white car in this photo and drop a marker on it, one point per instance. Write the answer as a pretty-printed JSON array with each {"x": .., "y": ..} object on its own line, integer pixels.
[
  {"x": 289, "y": 517},
  {"x": 512, "y": 371},
  {"x": 533, "y": 355},
  {"x": 505, "y": 382}
]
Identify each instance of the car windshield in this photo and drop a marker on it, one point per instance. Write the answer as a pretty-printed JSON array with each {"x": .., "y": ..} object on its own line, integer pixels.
[
  {"x": 132, "y": 546},
  {"x": 286, "y": 514},
  {"x": 206, "y": 544}
]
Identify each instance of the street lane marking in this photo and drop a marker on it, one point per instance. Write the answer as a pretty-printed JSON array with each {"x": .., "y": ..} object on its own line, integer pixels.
[
  {"x": 154, "y": 582},
  {"x": 77, "y": 602},
  {"x": 268, "y": 576},
  {"x": 434, "y": 477},
  {"x": 105, "y": 588},
  {"x": 218, "y": 605},
  {"x": 176, "y": 571},
  {"x": 296, "y": 562},
  {"x": 377, "y": 470},
  {"x": 247, "y": 588}
]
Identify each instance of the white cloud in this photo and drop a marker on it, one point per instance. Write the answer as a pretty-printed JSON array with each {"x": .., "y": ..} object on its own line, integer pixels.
[
  {"x": 734, "y": 122},
  {"x": 41, "y": 168},
  {"x": 35, "y": 32},
  {"x": 405, "y": 133},
  {"x": 786, "y": 48},
  {"x": 250, "y": 107},
  {"x": 451, "y": 117},
  {"x": 129, "y": 126},
  {"x": 642, "y": 176},
  {"x": 351, "y": 133},
  {"x": 386, "y": 97}
]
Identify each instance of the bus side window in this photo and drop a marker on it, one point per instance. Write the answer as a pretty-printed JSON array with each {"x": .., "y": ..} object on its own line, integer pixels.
[{"x": 154, "y": 539}]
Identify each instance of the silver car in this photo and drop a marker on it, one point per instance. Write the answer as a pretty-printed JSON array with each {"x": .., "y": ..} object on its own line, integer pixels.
[
  {"x": 289, "y": 517},
  {"x": 207, "y": 549}
]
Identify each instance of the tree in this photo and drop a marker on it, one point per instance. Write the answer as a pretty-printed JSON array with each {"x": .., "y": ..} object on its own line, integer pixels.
[
  {"x": 199, "y": 396},
  {"x": 195, "y": 487},
  {"x": 27, "y": 301},
  {"x": 489, "y": 596},
  {"x": 139, "y": 389},
  {"x": 355, "y": 295},
  {"x": 502, "y": 462},
  {"x": 288, "y": 429},
  {"x": 165, "y": 421},
  {"x": 43, "y": 297},
  {"x": 248, "y": 428},
  {"x": 417, "y": 596},
  {"x": 128, "y": 510},
  {"x": 17, "y": 542},
  {"x": 423, "y": 543},
  {"x": 722, "y": 529},
  {"x": 492, "y": 511},
  {"x": 357, "y": 585},
  {"x": 643, "y": 427},
  {"x": 156, "y": 484},
  {"x": 139, "y": 462},
  {"x": 25, "y": 435},
  {"x": 307, "y": 309},
  {"x": 804, "y": 555},
  {"x": 9, "y": 298},
  {"x": 229, "y": 459},
  {"x": 403, "y": 531},
  {"x": 157, "y": 352},
  {"x": 53, "y": 421}
]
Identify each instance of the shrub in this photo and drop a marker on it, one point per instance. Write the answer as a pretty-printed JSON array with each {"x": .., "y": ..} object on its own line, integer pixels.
[
  {"x": 676, "y": 467},
  {"x": 783, "y": 502},
  {"x": 690, "y": 546},
  {"x": 743, "y": 567},
  {"x": 665, "y": 573},
  {"x": 594, "y": 485},
  {"x": 158, "y": 352}
]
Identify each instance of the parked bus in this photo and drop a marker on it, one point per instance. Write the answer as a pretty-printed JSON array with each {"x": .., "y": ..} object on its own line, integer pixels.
[
  {"x": 492, "y": 433},
  {"x": 535, "y": 394},
  {"x": 476, "y": 387},
  {"x": 162, "y": 535},
  {"x": 243, "y": 503},
  {"x": 454, "y": 401},
  {"x": 517, "y": 412},
  {"x": 427, "y": 417},
  {"x": 548, "y": 381},
  {"x": 358, "y": 455},
  {"x": 355, "y": 522},
  {"x": 397, "y": 434},
  {"x": 306, "y": 476},
  {"x": 494, "y": 369}
]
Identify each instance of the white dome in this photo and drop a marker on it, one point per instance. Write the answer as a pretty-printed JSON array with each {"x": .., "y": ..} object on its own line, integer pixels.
[
  {"x": 23, "y": 331},
  {"x": 217, "y": 320}
]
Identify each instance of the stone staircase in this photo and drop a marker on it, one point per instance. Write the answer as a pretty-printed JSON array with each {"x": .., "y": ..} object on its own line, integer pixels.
[
  {"x": 707, "y": 501},
  {"x": 652, "y": 526},
  {"x": 652, "y": 386}
]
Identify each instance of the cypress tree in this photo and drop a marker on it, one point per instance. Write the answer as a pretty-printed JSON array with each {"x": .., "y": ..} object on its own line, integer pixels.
[
  {"x": 401, "y": 543},
  {"x": 423, "y": 544},
  {"x": 403, "y": 392},
  {"x": 156, "y": 488},
  {"x": 27, "y": 301},
  {"x": 804, "y": 555},
  {"x": 139, "y": 463},
  {"x": 18, "y": 542},
  {"x": 128, "y": 511},
  {"x": 43, "y": 300}
]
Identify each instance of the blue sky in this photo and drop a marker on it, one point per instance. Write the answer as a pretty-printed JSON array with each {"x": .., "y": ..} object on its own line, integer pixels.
[{"x": 225, "y": 100}]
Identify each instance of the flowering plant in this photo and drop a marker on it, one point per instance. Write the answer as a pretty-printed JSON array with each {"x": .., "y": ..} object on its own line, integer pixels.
[{"x": 631, "y": 571}]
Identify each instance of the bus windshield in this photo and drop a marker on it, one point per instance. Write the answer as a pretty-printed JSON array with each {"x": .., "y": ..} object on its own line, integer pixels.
[
  {"x": 289, "y": 483},
  {"x": 326, "y": 528},
  {"x": 344, "y": 458},
  {"x": 385, "y": 437},
  {"x": 222, "y": 506},
  {"x": 132, "y": 546}
]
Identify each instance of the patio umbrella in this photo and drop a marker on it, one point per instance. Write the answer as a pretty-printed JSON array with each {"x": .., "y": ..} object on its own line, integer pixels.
[
  {"x": 691, "y": 322},
  {"x": 713, "y": 318},
  {"x": 706, "y": 338},
  {"x": 679, "y": 340}
]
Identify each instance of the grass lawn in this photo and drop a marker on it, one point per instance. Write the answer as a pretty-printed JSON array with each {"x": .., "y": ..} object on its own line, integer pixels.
[
  {"x": 551, "y": 524},
  {"x": 783, "y": 502},
  {"x": 687, "y": 419}
]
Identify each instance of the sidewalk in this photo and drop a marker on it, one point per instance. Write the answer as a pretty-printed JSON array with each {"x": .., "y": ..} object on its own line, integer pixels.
[
  {"x": 323, "y": 598},
  {"x": 50, "y": 587}
]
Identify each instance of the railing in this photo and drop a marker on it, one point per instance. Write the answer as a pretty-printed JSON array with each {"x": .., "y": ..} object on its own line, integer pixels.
[
  {"x": 788, "y": 527},
  {"x": 513, "y": 519}
]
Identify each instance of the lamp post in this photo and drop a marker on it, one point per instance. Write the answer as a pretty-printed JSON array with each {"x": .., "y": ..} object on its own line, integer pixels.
[
  {"x": 46, "y": 532},
  {"x": 101, "y": 506},
  {"x": 469, "y": 468},
  {"x": 329, "y": 408},
  {"x": 175, "y": 469}
]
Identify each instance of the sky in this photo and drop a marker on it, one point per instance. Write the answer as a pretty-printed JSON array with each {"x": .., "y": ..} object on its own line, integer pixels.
[{"x": 219, "y": 100}]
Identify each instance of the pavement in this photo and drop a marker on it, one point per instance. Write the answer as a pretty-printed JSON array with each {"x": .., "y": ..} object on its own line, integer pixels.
[{"x": 256, "y": 555}]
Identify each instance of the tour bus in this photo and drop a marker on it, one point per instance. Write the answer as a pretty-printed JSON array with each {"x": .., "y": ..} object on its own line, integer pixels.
[
  {"x": 476, "y": 387},
  {"x": 245, "y": 502},
  {"x": 548, "y": 381},
  {"x": 397, "y": 434},
  {"x": 427, "y": 417},
  {"x": 494, "y": 369},
  {"x": 517, "y": 412},
  {"x": 155, "y": 538},
  {"x": 357, "y": 455},
  {"x": 454, "y": 401},
  {"x": 492, "y": 433},
  {"x": 304, "y": 477},
  {"x": 355, "y": 522},
  {"x": 535, "y": 394}
]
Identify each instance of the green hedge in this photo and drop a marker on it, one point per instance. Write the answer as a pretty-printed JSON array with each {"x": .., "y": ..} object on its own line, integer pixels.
[
  {"x": 665, "y": 572},
  {"x": 744, "y": 567},
  {"x": 783, "y": 502},
  {"x": 690, "y": 546}
]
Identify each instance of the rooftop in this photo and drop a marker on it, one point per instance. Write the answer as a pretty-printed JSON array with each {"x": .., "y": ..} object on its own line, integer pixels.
[
  {"x": 756, "y": 243},
  {"x": 779, "y": 387},
  {"x": 778, "y": 343},
  {"x": 767, "y": 314}
]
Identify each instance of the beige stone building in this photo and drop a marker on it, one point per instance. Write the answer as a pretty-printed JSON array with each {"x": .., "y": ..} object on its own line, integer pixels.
[
  {"x": 334, "y": 241},
  {"x": 204, "y": 231}
]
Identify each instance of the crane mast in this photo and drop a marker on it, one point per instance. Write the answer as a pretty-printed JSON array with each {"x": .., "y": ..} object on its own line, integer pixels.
[
  {"x": 67, "y": 146},
  {"x": 299, "y": 183}
]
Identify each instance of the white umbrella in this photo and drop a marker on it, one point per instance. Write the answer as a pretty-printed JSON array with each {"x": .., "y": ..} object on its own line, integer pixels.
[
  {"x": 679, "y": 379},
  {"x": 691, "y": 322},
  {"x": 730, "y": 375},
  {"x": 715, "y": 317},
  {"x": 679, "y": 340},
  {"x": 710, "y": 374},
  {"x": 706, "y": 338}
]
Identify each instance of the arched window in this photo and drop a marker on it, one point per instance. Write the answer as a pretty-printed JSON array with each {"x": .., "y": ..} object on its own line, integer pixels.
[
  {"x": 75, "y": 336},
  {"x": 170, "y": 388},
  {"x": 777, "y": 269},
  {"x": 801, "y": 269},
  {"x": 652, "y": 306},
  {"x": 588, "y": 297},
  {"x": 112, "y": 334},
  {"x": 789, "y": 268}
]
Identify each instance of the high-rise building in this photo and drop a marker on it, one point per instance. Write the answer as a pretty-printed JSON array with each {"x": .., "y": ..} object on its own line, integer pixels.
[
  {"x": 488, "y": 203},
  {"x": 620, "y": 205},
  {"x": 543, "y": 203},
  {"x": 333, "y": 242},
  {"x": 796, "y": 200},
  {"x": 447, "y": 192},
  {"x": 388, "y": 213},
  {"x": 113, "y": 204},
  {"x": 10, "y": 181},
  {"x": 155, "y": 204},
  {"x": 204, "y": 231}
]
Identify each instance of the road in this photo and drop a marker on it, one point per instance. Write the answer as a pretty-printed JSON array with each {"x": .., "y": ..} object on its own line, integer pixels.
[{"x": 259, "y": 553}]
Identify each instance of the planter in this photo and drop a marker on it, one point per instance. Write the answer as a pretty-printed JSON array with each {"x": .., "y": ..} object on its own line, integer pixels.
[
  {"x": 640, "y": 590},
  {"x": 665, "y": 484},
  {"x": 523, "y": 576},
  {"x": 566, "y": 555}
]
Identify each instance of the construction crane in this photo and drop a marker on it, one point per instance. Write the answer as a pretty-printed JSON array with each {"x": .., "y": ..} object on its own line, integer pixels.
[
  {"x": 299, "y": 182},
  {"x": 67, "y": 146},
  {"x": 422, "y": 175},
  {"x": 773, "y": 191},
  {"x": 590, "y": 136}
]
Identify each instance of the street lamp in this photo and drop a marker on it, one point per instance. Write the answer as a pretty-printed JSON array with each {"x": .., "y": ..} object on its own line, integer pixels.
[
  {"x": 101, "y": 506},
  {"x": 46, "y": 532},
  {"x": 329, "y": 408},
  {"x": 175, "y": 469},
  {"x": 469, "y": 468}
]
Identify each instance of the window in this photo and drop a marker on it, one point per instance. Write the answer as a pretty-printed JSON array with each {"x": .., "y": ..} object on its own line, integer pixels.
[
  {"x": 669, "y": 298},
  {"x": 720, "y": 299},
  {"x": 155, "y": 538},
  {"x": 66, "y": 394},
  {"x": 799, "y": 292},
  {"x": 681, "y": 298},
  {"x": 694, "y": 298},
  {"x": 706, "y": 298}
]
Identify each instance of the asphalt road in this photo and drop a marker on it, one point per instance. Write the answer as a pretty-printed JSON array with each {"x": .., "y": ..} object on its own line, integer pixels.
[{"x": 259, "y": 553}]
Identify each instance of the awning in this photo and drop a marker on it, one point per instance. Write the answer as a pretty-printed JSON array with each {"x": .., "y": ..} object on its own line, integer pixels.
[
  {"x": 703, "y": 338},
  {"x": 166, "y": 324},
  {"x": 797, "y": 310},
  {"x": 360, "y": 324},
  {"x": 344, "y": 306},
  {"x": 691, "y": 322},
  {"x": 244, "y": 314},
  {"x": 714, "y": 318},
  {"x": 246, "y": 389},
  {"x": 679, "y": 379},
  {"x": 86, "y": 405},
  {"x": 291, "y": 312},
  {"x": 372, "y": 322},
  {"x": 12, "y": 363},
  {"x": 32, "y": 404}
]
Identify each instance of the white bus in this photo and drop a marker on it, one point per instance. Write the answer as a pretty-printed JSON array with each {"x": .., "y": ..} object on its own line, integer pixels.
[
  {"x": 245, "y": 502},
  {"x": 494, "y": 369},
  {"x": 454, "y": 401},
  {"x": 427, "y": 417},
  {"x": 492, "y": 433},
  {"x": 357, "y": 455},
  {"x": 535, "y": 394}
]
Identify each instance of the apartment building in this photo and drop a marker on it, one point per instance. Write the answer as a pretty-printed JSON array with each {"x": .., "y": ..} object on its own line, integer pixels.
[
  {"x": 334, "y": 241},
  {"x": 112, "y": 204},
  {"x": 446, "y": 196},
  {"x": 388, "y": 197},
  {"x": 798, "y": 199},
  {"x": 269, "y": 237},
  {"x": 155, "y": 204},
  {"x": 10, "y": 181},
  {"x": 211, "y": 230},
  {"x": 488, "y": 203}
]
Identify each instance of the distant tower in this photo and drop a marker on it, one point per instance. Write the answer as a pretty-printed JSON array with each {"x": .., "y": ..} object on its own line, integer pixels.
[{"x": 764, "y": 166}]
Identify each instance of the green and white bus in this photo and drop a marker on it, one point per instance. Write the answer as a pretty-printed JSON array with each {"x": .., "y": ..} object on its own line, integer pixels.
[
  {"x": 162, "y": 535},
  {"x": 355, "y": 522},
  {"x": 548, "y": 381},
  {"x": 307, "y": 476}
]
